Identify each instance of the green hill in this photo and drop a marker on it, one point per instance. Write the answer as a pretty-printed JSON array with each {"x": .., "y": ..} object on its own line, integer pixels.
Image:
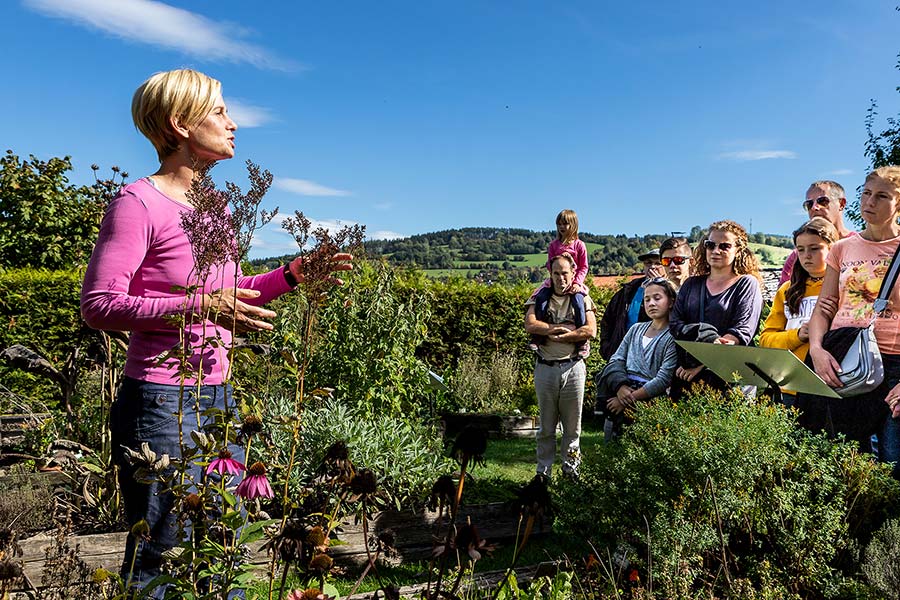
[{"x": 519, "y": 254}]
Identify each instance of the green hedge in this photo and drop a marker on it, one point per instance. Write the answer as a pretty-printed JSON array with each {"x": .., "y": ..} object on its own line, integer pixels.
[{"x": 39, "y": 309}]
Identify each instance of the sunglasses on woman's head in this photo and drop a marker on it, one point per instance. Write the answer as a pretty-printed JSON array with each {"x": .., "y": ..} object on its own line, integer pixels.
[
  {"x": 655, "y": 281},
  {"x": 821, "y": 201},
  {"x": 677, "y": 260},
  {"x": 723, "y": 246}
]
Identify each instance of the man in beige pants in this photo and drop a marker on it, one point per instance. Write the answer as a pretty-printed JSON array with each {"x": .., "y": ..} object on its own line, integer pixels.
[{"x": 565, "y": 323}]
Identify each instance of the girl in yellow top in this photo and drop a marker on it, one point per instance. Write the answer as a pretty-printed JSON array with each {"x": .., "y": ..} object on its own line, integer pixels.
[{"x": 787, "y": 325}]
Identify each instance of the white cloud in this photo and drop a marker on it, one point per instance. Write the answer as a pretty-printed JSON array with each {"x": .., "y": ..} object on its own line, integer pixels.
[
  {"x": 247, "y": 115},
  {"x": 383, "y": 206},
  {"x": 159, "y": 24},
  {"x": 747, "y": 155},
  {"x": 841, "y": 172},
  {"x": 304, "y": 187},
  {"x": 385, "y": 234}
]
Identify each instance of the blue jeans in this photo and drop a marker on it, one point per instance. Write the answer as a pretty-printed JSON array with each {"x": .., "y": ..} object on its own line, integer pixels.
[
  {"x": 859, "y": 418},
  {"x": 148, "y": 412},
  {"x": 889, "y": 436}
]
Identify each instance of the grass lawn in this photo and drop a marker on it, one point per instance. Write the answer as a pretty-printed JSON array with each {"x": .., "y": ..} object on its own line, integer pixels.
[{"x": 510, "y": 464}]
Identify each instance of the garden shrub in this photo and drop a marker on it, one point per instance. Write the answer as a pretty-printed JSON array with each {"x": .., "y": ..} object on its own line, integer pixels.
[
  {"x": 369, "y": 336},
  {"x": 406, "y": 456},
  {"x": 487, "y": 385},
  {"x": 364, "y": 346},
  {"x": 471, "y": 316},
  {"x": 40, "y": 310},
  {"x": 720, "y": 496},
  {"x": 882, "y": 563}
]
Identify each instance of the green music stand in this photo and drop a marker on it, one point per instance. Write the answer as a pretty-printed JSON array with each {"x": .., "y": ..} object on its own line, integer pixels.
[{"x": 762, "y": 367}]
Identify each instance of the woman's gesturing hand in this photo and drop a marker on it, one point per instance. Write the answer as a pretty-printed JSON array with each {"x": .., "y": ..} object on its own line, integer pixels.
[
  {"x": 225, "y": 308},
  {"x": 337, "y": 262}
]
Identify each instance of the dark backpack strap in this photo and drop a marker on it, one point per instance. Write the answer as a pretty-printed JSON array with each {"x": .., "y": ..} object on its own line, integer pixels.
[{"x": 578, "y": 307}]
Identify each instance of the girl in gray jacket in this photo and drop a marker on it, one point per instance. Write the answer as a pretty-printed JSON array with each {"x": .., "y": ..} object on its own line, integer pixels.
[{"x": 643, "y": 365}]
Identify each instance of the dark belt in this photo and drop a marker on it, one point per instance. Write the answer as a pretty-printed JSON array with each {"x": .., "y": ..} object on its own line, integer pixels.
[{"x": 556, "y": 363}]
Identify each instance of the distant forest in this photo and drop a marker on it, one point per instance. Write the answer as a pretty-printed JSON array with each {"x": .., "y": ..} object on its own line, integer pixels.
[{"x": 518, "y": 253}]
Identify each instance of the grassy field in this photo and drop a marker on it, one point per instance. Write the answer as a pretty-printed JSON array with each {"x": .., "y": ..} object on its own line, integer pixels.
[{"x": 769, "y": 257}]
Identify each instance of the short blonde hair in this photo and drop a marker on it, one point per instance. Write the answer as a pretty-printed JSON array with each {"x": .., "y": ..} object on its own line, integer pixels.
[
  {"x": 890, "y": 174},
  {"x": 185, "y": 95}
]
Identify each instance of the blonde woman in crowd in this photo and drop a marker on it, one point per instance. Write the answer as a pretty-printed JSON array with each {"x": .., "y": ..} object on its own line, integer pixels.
[{"x": 855, "y": 268}]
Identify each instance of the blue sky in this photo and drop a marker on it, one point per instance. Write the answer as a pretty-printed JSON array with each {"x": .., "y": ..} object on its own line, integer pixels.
[{"x": 408, "y": 117}]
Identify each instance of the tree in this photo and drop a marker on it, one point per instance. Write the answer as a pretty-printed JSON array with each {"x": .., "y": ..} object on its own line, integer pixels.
[
  {"x": 45, "y": 221},
  {"x": 882, "y": 148}
]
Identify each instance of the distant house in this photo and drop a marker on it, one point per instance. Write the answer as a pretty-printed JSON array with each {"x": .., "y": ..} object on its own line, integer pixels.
[{"x": 612, "y": 281}]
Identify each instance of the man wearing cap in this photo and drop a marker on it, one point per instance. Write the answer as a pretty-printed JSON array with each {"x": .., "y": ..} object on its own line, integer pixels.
[
  {"x": 559, "y": 371},
  {"x": 626, "y": 307},
  {"x": 824, "y": 199}
]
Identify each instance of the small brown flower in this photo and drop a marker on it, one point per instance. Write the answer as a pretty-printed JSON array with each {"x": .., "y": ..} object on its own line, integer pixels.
[
  {"x": 336, "y": 464},
  {"x": 442, "y": 492},
  {"x": 321, "y": 563},
  {"x": 364, "y": 483},
  {"x": 251, "y": 425},
  {"x": 316, "y": 538},
  {"x": 468, "y": 541},
  {"x": 470, "y": 444},
  {"x": 534, "y": 498},
  {"x": 289, "y": 544},
  {"x": 10, "y": 570}
]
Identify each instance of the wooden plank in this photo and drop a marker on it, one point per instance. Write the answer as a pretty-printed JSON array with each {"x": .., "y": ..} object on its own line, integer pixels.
[{"x": 414, "y": 533}]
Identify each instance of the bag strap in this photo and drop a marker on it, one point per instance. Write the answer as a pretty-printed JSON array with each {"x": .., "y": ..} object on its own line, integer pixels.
[{"x": 887, "y": 284}]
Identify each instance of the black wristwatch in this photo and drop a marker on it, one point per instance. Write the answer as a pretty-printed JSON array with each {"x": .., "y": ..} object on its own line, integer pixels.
[{"x": 289, "y": 277}]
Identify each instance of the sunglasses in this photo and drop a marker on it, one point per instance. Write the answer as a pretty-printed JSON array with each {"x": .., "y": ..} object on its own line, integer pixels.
[
  {"x": 821, "y": 201},
  {"x": 674, "y": 260},
  {"x": 655, "y": 281},
  {"x": 723, "y": 246}
]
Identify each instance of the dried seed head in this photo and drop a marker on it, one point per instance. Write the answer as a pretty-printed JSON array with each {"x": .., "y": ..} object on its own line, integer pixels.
[
  {"x": 10, "y": 570},
  {"x": 193, "y": 503},
  {"x": 364, "y": 482},
  {"x": 257, "y": 469},
  {"x": 141, "y": 530},
  {"x": 337, "y": 452},
  {"x": 321, "y": 563},
  {"x": 471, "y": 443},
  {"x": 251, "y": 425},
  {"x": 316, "y": 536}
]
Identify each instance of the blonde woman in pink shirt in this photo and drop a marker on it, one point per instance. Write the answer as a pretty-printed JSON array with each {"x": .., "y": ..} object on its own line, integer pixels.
[
  {"x": 855, "y": 268},
  {"x": 142, "y": 259}
]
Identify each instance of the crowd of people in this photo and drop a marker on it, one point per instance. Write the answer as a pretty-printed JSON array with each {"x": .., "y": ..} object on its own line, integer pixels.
[
  {"x": 713, "y": 293},
  {"x": 710, "y": 293}
]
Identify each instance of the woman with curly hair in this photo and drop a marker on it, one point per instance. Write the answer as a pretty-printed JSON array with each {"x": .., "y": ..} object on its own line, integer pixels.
[
  {"x": 721, "y": 304},
  {"x": 855, "y": 269}
]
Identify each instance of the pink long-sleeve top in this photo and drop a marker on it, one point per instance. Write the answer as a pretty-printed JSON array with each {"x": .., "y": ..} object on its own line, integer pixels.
[
  {"x": 578, "y": 251},
  {"x": 142, "y": 256}
]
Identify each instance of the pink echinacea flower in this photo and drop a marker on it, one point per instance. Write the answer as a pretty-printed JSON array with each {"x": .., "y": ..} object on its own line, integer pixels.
[
  {"x": 255, "y": 484},
  {"x": 225, "y": 464}
]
